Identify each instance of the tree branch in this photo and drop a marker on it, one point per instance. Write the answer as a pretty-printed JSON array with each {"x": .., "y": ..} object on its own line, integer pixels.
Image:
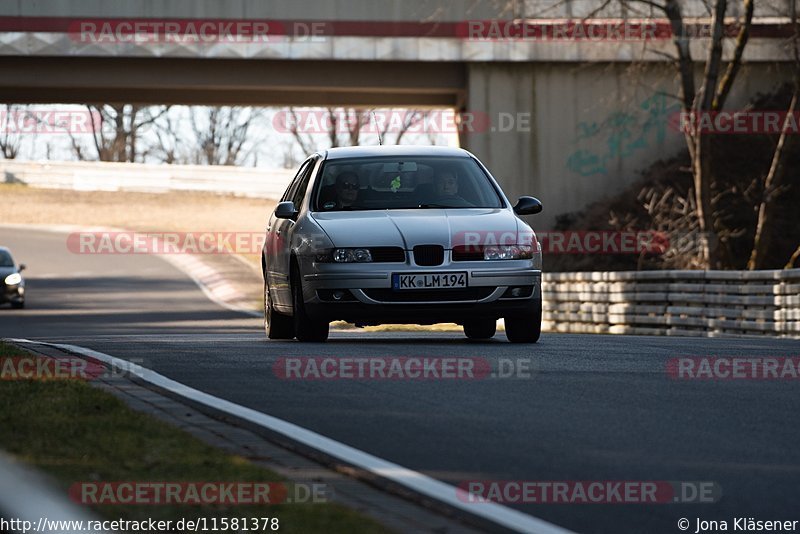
[{"x": 733, "y": 67}]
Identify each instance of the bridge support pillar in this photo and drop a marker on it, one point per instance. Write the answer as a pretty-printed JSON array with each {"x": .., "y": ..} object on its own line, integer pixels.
[{"x": 501, "y": 98}]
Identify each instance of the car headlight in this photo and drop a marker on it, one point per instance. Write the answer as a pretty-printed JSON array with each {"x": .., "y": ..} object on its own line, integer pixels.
[
  {"x": 508, "y": 252},
  {"x": 346, "y": 255},
  {"x": 13, "y": 279}
]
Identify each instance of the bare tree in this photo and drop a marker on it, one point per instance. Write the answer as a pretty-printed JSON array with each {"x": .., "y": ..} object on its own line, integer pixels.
[
  {"x": 773, "y": 182},
  {"x": 169, "y": 145},
  {"x": 10, "y": 140},
  {"x": 117, "y": 131},
  {"x": 701, "y": 97},
  {"x": 347, "y": 126},
  {"x": 708, "y": 96},
  {"x": 715, "y": 87},
  {"x": 223, "y": 135}
]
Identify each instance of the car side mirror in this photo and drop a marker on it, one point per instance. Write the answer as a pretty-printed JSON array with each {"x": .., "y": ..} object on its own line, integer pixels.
[
  {"x": 286, "y": 210},
  {"x": 21, "y": 267},
  {"x": 528, "y": 206}
]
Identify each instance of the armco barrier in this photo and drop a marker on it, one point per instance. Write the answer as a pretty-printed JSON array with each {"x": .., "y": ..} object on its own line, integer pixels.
[
  {"x": 149, "y": 178},
  {"x": 694, "y": 303}
]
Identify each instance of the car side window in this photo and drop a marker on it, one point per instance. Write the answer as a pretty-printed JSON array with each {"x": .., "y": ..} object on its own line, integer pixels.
[
  {"x": 289, "y": 193},
  {"x": 302, "y": 185}
]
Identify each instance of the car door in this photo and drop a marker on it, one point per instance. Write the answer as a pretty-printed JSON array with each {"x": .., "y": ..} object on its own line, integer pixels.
[{"x": 279, "y": 236}]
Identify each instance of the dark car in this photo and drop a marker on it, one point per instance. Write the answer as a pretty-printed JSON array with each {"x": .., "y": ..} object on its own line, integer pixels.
[{"x": 13, "y": 288}]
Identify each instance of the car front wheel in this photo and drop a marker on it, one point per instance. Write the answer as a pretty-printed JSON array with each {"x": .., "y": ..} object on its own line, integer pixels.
[
  {"x": 306, "y": 328},
  {"x": 525, "y": 328},
  {"x": 277, "y": 325}
]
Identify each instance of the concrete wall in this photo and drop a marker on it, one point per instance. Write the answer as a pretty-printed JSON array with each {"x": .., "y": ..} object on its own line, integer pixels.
[
  {"x": 674, "y": 303},
  {"x": 593, "y": 128},
  {"x": 146, "y": 178}
]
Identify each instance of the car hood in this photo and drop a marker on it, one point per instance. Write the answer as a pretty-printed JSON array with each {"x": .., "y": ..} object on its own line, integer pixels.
[
  {"x": 408, "y": 228},
  {"x": 5, "y": 271}
]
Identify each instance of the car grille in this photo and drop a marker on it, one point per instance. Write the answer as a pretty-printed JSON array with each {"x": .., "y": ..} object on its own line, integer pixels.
[
  {"x": 388, "y": 254},
  {"x": 429, "y": 255},
  {"x": 467, "y": 253},
  {"x": 429, "y": 295}
]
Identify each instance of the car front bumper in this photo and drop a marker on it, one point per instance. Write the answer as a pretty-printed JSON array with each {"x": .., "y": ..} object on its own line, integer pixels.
[
  {"x": 370, "y": 299},
  {"x": 15, "y": 293}
]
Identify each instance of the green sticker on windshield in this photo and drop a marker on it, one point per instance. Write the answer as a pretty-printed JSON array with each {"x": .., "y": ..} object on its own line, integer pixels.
[{"x": 395, "y": 184}]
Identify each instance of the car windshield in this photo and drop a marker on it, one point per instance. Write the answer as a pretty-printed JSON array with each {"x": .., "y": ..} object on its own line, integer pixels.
[
  {"x": 408, "y": 182},
  {"x": 5, "y": 259}
]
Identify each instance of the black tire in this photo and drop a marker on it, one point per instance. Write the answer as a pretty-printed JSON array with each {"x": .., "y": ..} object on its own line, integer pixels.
[
  {"x": 525, "y": 328},
  {"x": 18, "y": 305},
  {"x": 305, "y": 328},
  {"x": 276, "y": 325},
  {"x": 480, "y": 329}
]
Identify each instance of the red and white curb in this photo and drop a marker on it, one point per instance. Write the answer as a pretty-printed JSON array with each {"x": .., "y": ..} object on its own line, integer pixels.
[{"x": 212, "y": 283}]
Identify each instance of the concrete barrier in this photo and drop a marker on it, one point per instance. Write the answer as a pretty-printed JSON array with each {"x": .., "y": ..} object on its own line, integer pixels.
[
  {"x": 107, "y": 176},
  {"x": 706, "y": 303}
]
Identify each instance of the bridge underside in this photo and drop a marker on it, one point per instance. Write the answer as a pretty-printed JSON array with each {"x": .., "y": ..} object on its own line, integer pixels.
[
  {"x": 571, "y": 133},
  {"x": 37, "y": 79}
]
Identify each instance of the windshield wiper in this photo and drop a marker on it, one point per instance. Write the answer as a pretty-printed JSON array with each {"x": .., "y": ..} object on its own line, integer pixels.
[{"x": 433, "y": 206}]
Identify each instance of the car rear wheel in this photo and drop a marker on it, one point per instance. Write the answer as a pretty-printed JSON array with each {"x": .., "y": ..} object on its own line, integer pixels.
[
  {"x": 277, "y": 325},
  {"x": 525, "y": 328},
  {"x": 480, "y": 329},
  {"x": 305, "y": 328}
]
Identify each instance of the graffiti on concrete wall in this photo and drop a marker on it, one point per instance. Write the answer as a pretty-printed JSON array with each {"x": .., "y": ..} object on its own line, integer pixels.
[{"x": 621, "y": 134}]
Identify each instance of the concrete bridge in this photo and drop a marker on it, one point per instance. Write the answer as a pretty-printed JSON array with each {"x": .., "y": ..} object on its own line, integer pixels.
[{"x": 573, "y": 112}]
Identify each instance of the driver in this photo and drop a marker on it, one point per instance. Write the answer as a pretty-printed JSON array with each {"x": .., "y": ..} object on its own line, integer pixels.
[
  {"x": 346, "y": 189},
  {"x": 447, "y": 184}
]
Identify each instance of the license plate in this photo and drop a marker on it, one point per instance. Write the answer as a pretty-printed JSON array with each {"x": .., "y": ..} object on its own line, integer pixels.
[{"x": 429, "y": 281}]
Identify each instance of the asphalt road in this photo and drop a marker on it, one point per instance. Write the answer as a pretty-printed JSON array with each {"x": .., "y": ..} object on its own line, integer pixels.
[{"x": 592, "y": 408}]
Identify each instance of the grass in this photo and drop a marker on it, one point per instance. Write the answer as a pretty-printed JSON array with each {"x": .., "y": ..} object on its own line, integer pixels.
[{"x": 77, "y": 433}]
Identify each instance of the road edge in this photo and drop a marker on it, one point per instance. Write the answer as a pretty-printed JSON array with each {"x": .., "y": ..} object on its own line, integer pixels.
[{"x": 387, "y": 476}]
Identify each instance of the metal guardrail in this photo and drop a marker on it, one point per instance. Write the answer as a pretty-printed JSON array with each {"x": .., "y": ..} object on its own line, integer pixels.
[
  {"x": 711, "y": 303},
  {"x": 148, "y": 178},
  {"x": 27, "y": 496}
]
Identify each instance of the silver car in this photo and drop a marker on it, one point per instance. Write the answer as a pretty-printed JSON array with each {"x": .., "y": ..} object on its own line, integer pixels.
[{"x": 401, "y": 234}]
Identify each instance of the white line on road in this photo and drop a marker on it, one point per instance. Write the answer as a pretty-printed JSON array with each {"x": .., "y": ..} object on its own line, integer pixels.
[{"x": 417, "y": 482}]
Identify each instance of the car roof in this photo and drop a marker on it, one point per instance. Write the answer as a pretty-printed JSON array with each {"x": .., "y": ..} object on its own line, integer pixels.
[{"x": 394, "y": 150}]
